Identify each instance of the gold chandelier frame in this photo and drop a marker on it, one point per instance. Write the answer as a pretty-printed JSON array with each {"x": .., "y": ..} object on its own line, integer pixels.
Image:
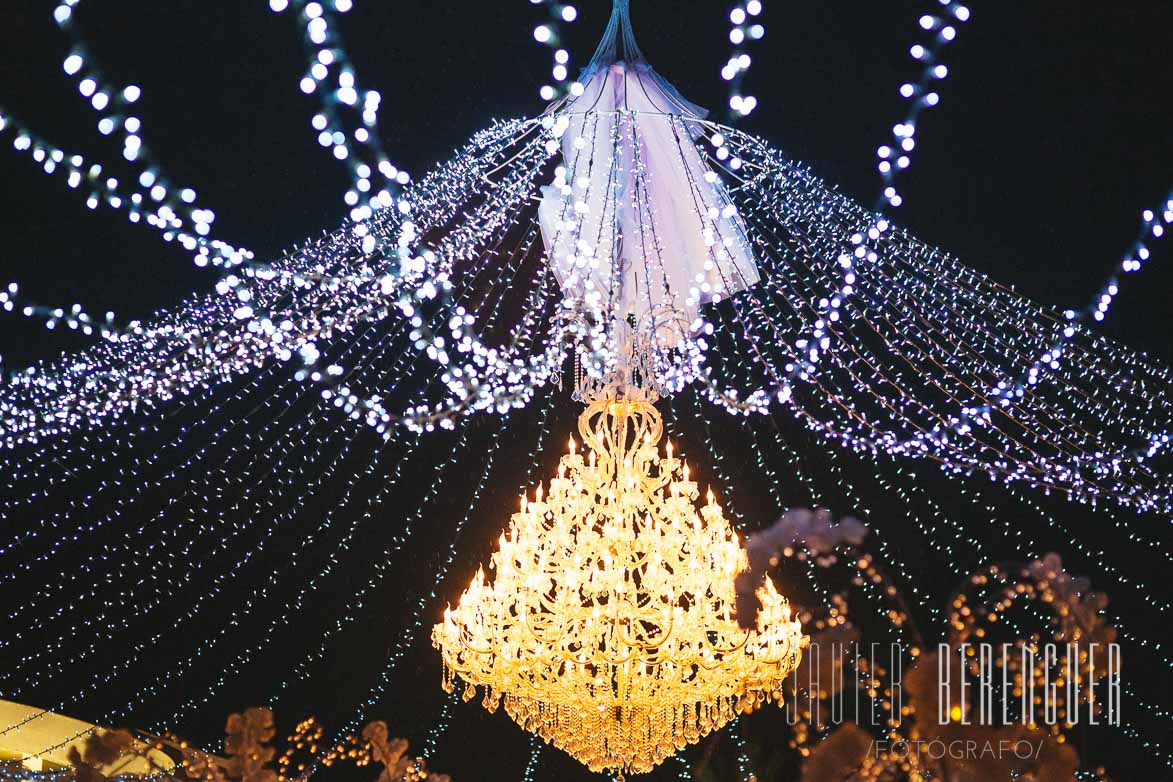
[{"x": 608, "y": 627}]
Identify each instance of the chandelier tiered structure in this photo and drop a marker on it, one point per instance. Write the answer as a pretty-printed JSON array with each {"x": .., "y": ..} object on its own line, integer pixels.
[{"x": 607, "y": 624}]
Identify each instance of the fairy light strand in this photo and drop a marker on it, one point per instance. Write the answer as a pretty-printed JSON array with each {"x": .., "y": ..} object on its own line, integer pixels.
[
  {"x": 746, "y": 28},
  {"x": 548, "y": 33},
  {"x": 347, "y": 122}
]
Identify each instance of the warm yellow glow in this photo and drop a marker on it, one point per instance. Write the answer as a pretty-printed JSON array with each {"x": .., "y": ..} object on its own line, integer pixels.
[
  {"x": 40, "y": 741},
  {"x": 608, "y": 626}
]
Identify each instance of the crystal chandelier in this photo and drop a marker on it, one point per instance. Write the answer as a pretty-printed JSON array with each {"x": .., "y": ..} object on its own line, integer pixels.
[{"x": 607, "y": 626}]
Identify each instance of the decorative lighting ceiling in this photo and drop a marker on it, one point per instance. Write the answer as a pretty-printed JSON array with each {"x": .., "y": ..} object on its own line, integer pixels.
[
  {"x": 624, "y": 213},
  {"x": 621, "y": 232}
]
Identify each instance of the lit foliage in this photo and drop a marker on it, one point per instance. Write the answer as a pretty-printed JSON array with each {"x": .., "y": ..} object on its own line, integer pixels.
[
  {"x": 608, "y": 626},
  {"x": 978, "y": 612},
  {"x": 249, "y": 755}
]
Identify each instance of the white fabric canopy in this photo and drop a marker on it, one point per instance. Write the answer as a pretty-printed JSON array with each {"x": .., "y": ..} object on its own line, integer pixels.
[{"x": 636, "y": 224}]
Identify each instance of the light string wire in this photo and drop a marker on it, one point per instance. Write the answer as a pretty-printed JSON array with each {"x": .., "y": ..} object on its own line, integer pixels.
[
  {"x": 1132, "y": 261},
  {"x": 152, "y": 198},
  {"x": 924, "y": 408},
  {"x": 402, "y": 649},
  {"x": 276, "y": 334},
  {"x": 1032, "y": 550},
  {"x": 943, "y": 35},
  {"x": 294, "y": 606},
  {"x": 744, "y": 764},
  {"x": 958, "y": 337},
  {"x": 168, "y": 207},
  {"x": 535, "y": 758},
  {"x": 440, "y": 726},
  {"x": 923, "y": 447},
  {"x": 775, "y": 488},
  {"x": 158, "y": 563},
  {"x": 98, "y": 453},
  {"x": 132, "y": 476},
  {"x": 549, "y": 34},
  {"x": 407, "y": 639},
  {"x": 124, "y": 501},
  {"x": 498, "y": 281},
  {"x": 893, "y": 161},
  {"x": 222, "y": 681},
  {"x": 953, "y": 556},
  {"x": 1091, "y": 555},
  {"x": 375, "y": 184},
  {"x": 794, "y": 461},
  {"x": 347, "y": 122},
  {"x": 398, "y": 541},
  {"x": 811, "y": 347},
  {"x": 503, "y": 277},
  {"x": 745, "y": 29}
]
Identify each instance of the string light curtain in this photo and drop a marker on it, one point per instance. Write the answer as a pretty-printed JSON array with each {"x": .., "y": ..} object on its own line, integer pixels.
[{"x": 877, "y": 341}]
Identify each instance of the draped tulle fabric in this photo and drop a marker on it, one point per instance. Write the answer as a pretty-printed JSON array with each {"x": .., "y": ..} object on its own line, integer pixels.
[{"x": 636, "y": 223}]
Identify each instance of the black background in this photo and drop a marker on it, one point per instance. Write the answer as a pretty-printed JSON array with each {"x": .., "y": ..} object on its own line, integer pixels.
[{"x": 1054, "y": 131}]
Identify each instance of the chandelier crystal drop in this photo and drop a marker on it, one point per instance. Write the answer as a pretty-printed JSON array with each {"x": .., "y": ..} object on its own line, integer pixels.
[{"x": 607, "y": 625}]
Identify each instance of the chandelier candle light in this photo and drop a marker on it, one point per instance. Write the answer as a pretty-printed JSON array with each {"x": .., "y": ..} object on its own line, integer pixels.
[{"x": 608, "y": 624}]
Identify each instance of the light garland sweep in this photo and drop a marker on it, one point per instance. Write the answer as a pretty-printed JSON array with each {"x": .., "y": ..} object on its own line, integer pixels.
[
  {"x": 892, "y": 348},
  {"x": 348, "y": 122}
]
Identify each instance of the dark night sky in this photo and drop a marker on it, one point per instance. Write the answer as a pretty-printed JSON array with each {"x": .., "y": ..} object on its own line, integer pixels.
[{"x": 1054, "y": 131}]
